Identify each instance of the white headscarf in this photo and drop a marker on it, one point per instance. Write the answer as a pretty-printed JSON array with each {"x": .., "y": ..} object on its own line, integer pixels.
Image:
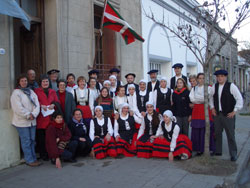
[
  {"x": 122, "y": 106},
  {"x": 112, "y": 76},
  {"x": 99, "y": 107},
  {"x": 106, "y": 82},
  {"x": 149, "y": 103},
  {"x": 143, "y": 80},
  {"x": 164, "y": 78},
  {"x": 131, "y": 86},
  {"x": 169, "y": 114}
]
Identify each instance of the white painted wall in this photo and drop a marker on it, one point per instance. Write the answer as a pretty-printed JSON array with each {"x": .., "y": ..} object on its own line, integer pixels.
[{"x": 161, "y": 44}]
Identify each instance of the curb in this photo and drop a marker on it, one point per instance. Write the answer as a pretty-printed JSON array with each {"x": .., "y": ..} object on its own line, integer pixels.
[{"x": 244, "y": 154}]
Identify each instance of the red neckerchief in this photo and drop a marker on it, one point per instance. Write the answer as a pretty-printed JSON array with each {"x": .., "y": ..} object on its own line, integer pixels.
[
  {"x": 57, "y": 125},
  {"x": 181, "y": 91},
  {"x": 71, "y": 85}
]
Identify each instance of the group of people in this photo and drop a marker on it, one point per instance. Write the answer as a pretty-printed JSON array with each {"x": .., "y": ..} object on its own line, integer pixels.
[{"x": 62, "y": 119}]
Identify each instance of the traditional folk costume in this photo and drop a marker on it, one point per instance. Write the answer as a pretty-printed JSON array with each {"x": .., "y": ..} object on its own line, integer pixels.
[
  {"x": 82, "y": 102},
  {"x": 142, "y": 98},
  {"x": 93, "y": 95},
  {"x": 162, "y": 98},
  {"x": 125, "y": 128},
  {"x": 113, "y": 89},
  {"x": 118, "y": 101},
  {"x": 148, "y": 128},
  {"x": 118, "y": 82},
  {"x": 198, "y": 123},
  {"x": 181, "y": 109},
  {"x": 153, "y": 85},
  {"x": 174, "y": 142},
  {"x": 126, "y": 85},
  {"x": 101, "y": 127},
  {"x": 71, "y": 88},
  {"x": 225, "y": 98}
]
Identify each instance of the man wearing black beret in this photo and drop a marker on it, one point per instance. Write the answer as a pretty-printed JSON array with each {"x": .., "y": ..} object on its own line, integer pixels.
[
  {"x": 225, "y": 101},
  {"x": 130, "y": 80},
  {"x": 53, "y": 77},
  {"x": 177, "y": 69},
  {"x": 153, "y": 84}
]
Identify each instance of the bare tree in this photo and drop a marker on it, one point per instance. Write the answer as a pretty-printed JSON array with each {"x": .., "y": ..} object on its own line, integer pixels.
[{"x": 206, "y": 18}]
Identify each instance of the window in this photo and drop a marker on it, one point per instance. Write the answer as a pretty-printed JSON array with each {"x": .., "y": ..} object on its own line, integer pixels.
[
  {"x": 155, "y": 65},
  {"x": 105, "y": 46}
]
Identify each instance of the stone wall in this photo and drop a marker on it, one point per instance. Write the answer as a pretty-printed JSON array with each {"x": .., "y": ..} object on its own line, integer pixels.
[{"x": 9, "y": 147}]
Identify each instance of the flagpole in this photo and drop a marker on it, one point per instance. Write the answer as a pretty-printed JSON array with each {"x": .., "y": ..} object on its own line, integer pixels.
[{"x": 100, "y": 31}]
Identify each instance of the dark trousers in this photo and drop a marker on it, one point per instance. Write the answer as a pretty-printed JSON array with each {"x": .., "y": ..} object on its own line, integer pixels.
[
  {"x": 222, "y": 122},
  {"x": 83, "y": 148},
  {"x": 70, "y": 150},
  {"x": 183, "y": 124},
  {"x": 40, "y": 142}
]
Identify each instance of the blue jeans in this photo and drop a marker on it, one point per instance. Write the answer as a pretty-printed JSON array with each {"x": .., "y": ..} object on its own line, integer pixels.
[{"x": 27, "y": 137}]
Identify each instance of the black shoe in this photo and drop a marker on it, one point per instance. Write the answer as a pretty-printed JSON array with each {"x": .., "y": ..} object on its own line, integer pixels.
[
  {"x": 234, "y": 158},
  {"x": 53, "y": 161},
  {"x": 70, "y": 161},
  {"x": 218, "y": 154},
  {"x": 199, "y": 153}
]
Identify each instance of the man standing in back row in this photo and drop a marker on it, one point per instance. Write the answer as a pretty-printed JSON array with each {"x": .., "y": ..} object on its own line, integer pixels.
[
  {"x": 177, "y": 69},
  {"x": 225, "y": 101},
  {"x": 153, "y": 84}
]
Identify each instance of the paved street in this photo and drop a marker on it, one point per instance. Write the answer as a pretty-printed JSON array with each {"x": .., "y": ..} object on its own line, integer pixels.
[{"x": 124, "y": 172}]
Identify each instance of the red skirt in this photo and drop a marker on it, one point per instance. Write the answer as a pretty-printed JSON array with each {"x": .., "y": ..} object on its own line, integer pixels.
[
  {"x": 125, "y": 148},
  {"x": 104, "y": 149},
  {"x": 161, "y": 147},
  {"x": 199, "y": 112},
  {"x": 144, "y": 149},
  {"x": 86, "y": 112}
]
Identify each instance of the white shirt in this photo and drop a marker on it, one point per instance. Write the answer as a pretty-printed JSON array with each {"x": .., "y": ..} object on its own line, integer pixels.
[
  {"x": 71, "y": 89},
  {"x": 116, "y": 125},
  {"x": 143, "y": 93},
  {"x": 142, "y": 127},
  {"x": 101, "y": 123},
  {"x": 93, "y": 95},
  {"x": 132, "y": 101},
  {"x": 174, "y": 136},
  {"x": 233, "y": 90},
  {"x": 154, "y": 95},
  {"x": 177, "y": 77},
  {"x": 118, "y": 101},
  {"x": 82, "y": 96},
  {"x": 197, "y": 94}
]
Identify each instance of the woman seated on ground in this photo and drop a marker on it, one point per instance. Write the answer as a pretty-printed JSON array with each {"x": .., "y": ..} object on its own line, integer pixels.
[
  {"x": 125, "y": 132},
  {"x": 147, "y": 131},
  {"x": 101, "y": 133},
  {"x": 58, "y": 142},
  {"x": 79, "y": 129},
  {"x": 106, "y": 102},
  {"x": 169, "y": 143}
]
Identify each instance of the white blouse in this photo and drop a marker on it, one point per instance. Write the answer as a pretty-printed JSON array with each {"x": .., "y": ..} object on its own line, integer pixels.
[
  {"x": 82, "y": 96},
  {"x": 132, "y": 101},
  {"x": 197, "y": 94},
  {"x": 116, "y": 126},
  {"x": 71, "y": 89},
  {"x": 119, "y": 101},
  {"x": 93, "y": 95},
  {"x": 101, "y": 123},
  {"x": 174, "y": 136}
]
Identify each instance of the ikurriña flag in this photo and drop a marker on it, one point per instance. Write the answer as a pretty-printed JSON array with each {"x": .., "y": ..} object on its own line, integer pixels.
[{"x": 113, "y": 20}]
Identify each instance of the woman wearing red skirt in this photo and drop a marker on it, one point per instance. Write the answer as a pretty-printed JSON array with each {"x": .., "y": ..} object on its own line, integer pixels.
[
  {"x": 125, "y": 132},
  {"x": 169, "y": 143},
  {"x": 147, "y": 131},
  {"x": 198, "y": 118},
  {"x": 101, "y": 133}
]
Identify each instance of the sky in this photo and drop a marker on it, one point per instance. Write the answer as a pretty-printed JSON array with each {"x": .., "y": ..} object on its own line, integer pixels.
[{"x": 242, "y": 34}]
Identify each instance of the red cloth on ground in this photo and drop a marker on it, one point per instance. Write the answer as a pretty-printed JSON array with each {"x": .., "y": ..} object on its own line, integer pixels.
[
  {"x": 43, "y": 122},
  {"x": 107, "y": 148},
  {"x": 125, "y": 148},
  {"x": 52, "y": 133}
]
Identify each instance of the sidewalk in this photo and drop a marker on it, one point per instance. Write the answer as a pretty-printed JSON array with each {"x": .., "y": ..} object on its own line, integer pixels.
[{"x": 126, "y": 172}]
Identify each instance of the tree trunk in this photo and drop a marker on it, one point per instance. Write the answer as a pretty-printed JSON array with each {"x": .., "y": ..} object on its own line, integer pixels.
[{"x": 206, "y": 106}]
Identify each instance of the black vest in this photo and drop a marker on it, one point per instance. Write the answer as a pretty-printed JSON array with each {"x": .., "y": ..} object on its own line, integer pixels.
[
  {"x": 163, "y": 100},
  {"x": 126, "y": 130},
  {"x": 141, "y": 101},
  {"x": 118, "y": 83},
  {"x": 166, "y": 134},
  {"x": 101, "y": 131},
  {"x": 172, "y": 82},
  {"x": 147, "y": 127},
  {"x": 149, "y": 87},
  {"x": 227, "y": 99}
]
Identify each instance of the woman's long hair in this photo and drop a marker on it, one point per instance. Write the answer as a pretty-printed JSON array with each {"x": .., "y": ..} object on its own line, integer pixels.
[{"x": 100, "y": 98}]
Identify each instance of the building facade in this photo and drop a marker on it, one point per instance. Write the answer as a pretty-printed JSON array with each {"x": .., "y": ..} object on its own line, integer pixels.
[{"x": 63, "y": 35}]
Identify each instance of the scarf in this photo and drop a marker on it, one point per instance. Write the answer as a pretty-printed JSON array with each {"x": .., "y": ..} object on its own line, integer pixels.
[
  {"x": 57, "y": 125},
  {"x": 71, "y": 85},
  {"x": 27, "y": 91},
  {"x": 181, "y": 91},
  {"x": 46, "y": 91},
  {"x": 80, "y": 124}
]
